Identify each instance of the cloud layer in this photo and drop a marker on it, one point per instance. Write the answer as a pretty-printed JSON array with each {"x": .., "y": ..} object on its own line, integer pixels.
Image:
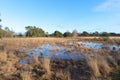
[{"x": 109, "y": 5}]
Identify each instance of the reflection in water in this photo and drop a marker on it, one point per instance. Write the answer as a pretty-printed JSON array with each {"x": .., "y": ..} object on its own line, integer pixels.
[{"x": 44, "y": 51}]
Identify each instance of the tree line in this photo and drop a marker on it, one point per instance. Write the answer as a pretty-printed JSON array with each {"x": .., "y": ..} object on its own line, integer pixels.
[{"x": 33, "y": 31}]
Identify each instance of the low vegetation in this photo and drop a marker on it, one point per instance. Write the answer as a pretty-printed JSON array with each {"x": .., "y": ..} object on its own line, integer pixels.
[{"x": 101, "y": 66}]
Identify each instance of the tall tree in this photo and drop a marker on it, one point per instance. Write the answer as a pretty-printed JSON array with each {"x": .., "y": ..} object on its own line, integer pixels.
[
  {"x": 67, "y": 34},
  {"x": 105, "y": 34},
  {"x": 33, "y": 31},
  {"x": 95, "y": 33},
  {"x": 85, "y": 33},
  {"x": 57, "y": 34}
]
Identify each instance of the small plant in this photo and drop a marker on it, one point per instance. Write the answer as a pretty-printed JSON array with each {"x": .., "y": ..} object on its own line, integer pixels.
[{"x": 116, "y": 75}]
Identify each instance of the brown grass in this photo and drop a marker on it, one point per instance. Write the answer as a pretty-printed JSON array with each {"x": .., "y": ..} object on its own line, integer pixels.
[
  {"x": 93, "y": 64},
  {"x": 63, "y": 75},
  {"x": 117, "y": 57},
  {"x": 47, "y": 65},
  {"x": 36, "y": 60},
  {"x": 103, "y": 65},
  {"x": 25, "y": 75},
  {"x": 3, "y": 56}
]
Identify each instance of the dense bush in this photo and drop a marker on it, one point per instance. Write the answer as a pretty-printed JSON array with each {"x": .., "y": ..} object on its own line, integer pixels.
[{"x": 33, "y": 31}]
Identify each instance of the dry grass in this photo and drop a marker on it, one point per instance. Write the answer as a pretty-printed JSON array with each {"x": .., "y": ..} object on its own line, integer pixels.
[
  {"x": 103, "y": 65},
  {"x": 117, "y": 57},
  {"x": 100, "y": 65},
  {"x": 47, "y": 66},
  {"x": 36, "y": 60},
  {"x": 93, "y": 64},
  {"x": 25, "y": 75},
  {"x": 3, "y": 56},
  {"x": 7, "y": 68},
  {"x": 62, "y": 75},
  {"x": 19, "y": 43},
  {"x": 7, "y": 62}
]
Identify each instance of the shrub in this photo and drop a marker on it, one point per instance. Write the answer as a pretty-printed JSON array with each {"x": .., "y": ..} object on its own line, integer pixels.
[{"x": 116, "y": 75}]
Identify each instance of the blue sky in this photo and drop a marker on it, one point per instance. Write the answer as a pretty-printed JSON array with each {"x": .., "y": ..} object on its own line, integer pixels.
[{"x": 62, "y": 15}]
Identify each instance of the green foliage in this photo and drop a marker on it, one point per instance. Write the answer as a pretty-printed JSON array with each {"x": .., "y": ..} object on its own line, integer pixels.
[
  {"x": 116, "y": 75},
  {"x": 95, "y": 33},
  {"x": 57, "y": 34},
  {"x": 85, "y": 33},
  {"x": 67, "y": 34},
  {"x": 33, "y": 31},
  {"x": 105, "y": 34}
]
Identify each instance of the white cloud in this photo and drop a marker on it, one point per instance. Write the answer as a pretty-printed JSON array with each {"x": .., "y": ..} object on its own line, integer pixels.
[{"x": 109, "y": 5}]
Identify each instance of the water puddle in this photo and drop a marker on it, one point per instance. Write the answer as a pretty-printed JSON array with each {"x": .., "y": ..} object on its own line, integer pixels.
[
  {"x": 98, "y": 45},
  {"x": 58, "y": 52}
]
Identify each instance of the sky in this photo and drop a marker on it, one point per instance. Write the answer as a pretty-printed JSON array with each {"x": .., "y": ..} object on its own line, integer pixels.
[{"x": 62, "y": 15}]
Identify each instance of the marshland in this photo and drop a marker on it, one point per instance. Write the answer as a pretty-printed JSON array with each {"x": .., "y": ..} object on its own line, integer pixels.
[
  {"x": 59, "y": 40},
  {"x": 59, "y": 59}
]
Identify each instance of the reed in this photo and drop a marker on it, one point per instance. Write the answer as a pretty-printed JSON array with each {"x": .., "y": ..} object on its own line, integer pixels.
[
  {"x": 47, "y": 65},
  {"x": 93, "y": 64}
]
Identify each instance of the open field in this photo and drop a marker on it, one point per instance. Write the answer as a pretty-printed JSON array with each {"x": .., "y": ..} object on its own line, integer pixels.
[
  {"x": 82, "y": 58},
  {"x": 15, "y": 43}
]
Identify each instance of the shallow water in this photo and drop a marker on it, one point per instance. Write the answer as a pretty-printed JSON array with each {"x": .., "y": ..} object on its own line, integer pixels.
[
  {"x": 44, "y": 50},
  {"x": 98, "y": 45}
]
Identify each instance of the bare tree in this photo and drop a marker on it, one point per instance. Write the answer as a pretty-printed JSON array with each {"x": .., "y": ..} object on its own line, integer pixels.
[{"x": 75, "y": 33}]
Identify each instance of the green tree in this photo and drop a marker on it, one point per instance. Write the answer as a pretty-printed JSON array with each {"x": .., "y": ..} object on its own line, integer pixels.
[
  {"x": 57, "y": 34},
  {"x": 105, "y": 34},
  {"x": 85, "y": 33},
  {"x": 95, "y": 33},
  {"x": 67, "y": 34},
  {"x": 33, "y": 31}
]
